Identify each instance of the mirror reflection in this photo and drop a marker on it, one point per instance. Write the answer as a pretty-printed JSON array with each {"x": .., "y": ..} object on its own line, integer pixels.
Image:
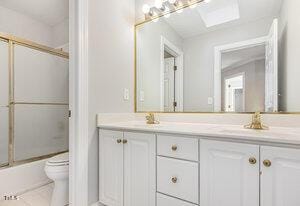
[{"x": 220, "y": 56}]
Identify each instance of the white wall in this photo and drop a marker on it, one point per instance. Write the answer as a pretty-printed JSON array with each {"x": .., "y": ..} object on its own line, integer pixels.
[
  {"x": 23, "y": 26},
  {"x": 289, "y": 53},
  {"x": 111, "y": 69},
  {"x": 149, "y": 62},
  {"x": 199, "y": 61}
]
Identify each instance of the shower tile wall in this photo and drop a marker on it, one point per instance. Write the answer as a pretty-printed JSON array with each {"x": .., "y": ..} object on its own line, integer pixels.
[{"x": 4, "y": 85}]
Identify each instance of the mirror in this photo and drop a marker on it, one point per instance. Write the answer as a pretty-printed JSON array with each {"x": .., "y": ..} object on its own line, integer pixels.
[{"x": 220, "y": 56}]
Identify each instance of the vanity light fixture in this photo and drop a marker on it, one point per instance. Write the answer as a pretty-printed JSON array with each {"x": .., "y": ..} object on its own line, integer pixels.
[
  {"x": 179, "y": 5},
  {"x": 160, "y": 5},
  {"x": 167, "y": 11},
  {"x": 166, "y": 7}
]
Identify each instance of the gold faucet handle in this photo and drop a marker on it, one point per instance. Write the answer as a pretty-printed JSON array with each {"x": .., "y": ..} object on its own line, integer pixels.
[
  {"x": 256, "y": 122},
  {"x": 151, "y": 119}
]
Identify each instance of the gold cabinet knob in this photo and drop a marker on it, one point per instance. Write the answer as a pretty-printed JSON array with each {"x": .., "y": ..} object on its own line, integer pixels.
[
  {"x": 252, "y": 160},
  {"x": 174, "y": 147},
  {"x": 125, "y": 141},
  {"x": 267, "y": 163},
  {"x": 174, "y": 179},
  {"x": 119, "y": 141}
]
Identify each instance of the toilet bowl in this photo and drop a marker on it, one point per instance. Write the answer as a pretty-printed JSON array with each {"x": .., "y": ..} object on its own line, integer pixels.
[{"x": 57, "y": 169}]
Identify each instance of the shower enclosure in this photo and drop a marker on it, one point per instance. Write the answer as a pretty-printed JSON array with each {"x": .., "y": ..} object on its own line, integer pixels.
[{"x": 34, "y": 109}]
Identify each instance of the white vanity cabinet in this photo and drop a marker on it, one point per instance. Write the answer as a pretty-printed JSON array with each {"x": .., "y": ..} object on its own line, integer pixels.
[
  {"x": 111, "y": 168},
  {"x": 234, "y": 174},
  {"x": 229, "y": 174},
  {"x": 127, "y": 168},
  {"x": 154, "y": 169},
  {"x": 280, "y": 178}
]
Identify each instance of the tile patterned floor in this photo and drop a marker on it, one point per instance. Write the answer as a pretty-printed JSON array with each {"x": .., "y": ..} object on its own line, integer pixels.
[{"x": 38, "y": 197}]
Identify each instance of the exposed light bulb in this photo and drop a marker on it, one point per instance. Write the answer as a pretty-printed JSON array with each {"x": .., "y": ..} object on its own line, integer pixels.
[
  {"x": 146, "y": 9},
  {"x": 159, "y": 4},
  {"x": 207, "y": 1},
  {"x": 167, "y": 10}
]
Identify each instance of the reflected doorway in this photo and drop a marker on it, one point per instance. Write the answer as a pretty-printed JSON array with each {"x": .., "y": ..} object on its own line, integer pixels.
[{"x": 235, "y": 93}]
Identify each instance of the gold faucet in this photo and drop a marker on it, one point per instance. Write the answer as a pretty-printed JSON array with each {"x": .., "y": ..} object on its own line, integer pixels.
[
  {"x": 256, "y": 122},
  {"x": 151, "y": 119}
]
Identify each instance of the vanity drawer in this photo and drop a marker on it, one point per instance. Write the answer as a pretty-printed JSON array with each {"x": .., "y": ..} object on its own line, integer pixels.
[
  {"x": 178, "y": 147},
  {"x": 178, "y": 178},
  {"x": 163, "y": 200}
]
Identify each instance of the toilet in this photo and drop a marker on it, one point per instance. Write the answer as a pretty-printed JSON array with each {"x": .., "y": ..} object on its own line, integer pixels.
[{"x": 57, "y": 169}]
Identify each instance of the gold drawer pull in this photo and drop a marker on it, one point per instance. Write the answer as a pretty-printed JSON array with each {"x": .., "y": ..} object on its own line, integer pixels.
[
  {"x": 174, "y": 147},
  {"x": 267, "y": 163},
  {"x": 252, "y": 160},
  {"x": 174, "y": 180},
  {"x": 125, "y": 141},
  {"x": 119, "y": 141}
]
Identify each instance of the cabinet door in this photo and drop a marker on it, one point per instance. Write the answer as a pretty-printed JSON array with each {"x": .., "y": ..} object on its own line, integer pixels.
[
  {"x": 111, "y": 168},
  {"x": 227, "y": 178},
  {"x": 280, "y": 181},
  {"x": 139, "y": 169}
]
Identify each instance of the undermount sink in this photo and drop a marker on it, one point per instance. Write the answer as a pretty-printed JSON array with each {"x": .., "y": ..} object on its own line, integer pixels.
[{"x": 258, "y": 132}]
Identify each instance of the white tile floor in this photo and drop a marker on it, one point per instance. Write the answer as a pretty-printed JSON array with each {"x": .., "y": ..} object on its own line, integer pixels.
[{"x": 38, "y": 197}]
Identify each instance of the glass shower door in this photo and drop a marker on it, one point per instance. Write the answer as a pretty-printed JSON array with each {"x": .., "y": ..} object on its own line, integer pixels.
[
  {"x": 41, "y": 102},
  {"x": 4, "y": 102}
]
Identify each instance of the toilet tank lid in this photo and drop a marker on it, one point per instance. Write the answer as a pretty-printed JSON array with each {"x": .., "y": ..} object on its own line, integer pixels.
[{"x": 60, "y": 158}]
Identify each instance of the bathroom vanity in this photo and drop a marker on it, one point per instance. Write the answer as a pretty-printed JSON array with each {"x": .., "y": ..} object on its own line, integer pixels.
[{"x": 189, "y": 164}]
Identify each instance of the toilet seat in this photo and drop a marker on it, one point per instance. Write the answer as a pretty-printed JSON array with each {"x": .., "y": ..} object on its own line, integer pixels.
[{"x": 59, "y": 160}]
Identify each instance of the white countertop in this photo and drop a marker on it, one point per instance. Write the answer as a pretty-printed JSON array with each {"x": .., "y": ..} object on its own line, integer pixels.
[{"x": 281, "y": 135}]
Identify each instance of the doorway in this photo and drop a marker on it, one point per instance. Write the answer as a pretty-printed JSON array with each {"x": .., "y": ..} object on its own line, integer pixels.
[
  {"x": 171, "y": 77},
  {"x": 270, "y": 42},
  {"x": 169, "y": 85},
  {"x": 235, "y": 93}
]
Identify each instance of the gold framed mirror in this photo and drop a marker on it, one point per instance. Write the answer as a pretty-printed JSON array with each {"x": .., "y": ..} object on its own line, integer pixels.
[{"x": 218, "y": 56}]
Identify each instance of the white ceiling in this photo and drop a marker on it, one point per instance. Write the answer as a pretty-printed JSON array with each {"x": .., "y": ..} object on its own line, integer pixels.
[
  {"x": 50, "y": 12},
  {"x": 190, "y": 23},
  {"x": 242, "y": 56}
]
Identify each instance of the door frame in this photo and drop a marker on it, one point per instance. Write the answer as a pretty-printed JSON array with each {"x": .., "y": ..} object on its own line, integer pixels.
[
  {"x": 166, "y": 45},
  {"x": 219, "y": 50},
  {"x": 78, "y": 102}
]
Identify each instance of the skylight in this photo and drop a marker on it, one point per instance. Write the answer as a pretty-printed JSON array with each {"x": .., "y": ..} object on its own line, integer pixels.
[{"x": 219, "y": 12}]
